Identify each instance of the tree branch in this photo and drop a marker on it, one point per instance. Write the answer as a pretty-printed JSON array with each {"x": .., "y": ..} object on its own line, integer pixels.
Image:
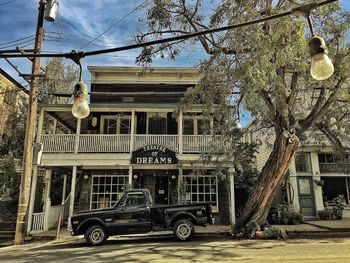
[{"x": 320, "y": 107}]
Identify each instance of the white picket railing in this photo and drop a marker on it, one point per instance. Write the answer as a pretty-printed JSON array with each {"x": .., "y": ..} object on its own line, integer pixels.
[
  {"x": 170, "y": 141},
  {"x": 58, "y": 142},
  {"x": 38, "y": 221},
  {"x": 104, "y": 143},
  {"x": 198, "y": 143},
  {"x": 120, "y": 143}
]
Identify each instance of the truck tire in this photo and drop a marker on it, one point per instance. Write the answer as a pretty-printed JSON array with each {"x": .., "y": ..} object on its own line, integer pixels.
[
  {"x": 95, "y": 235},
  {"x": 183, "y": 229}
]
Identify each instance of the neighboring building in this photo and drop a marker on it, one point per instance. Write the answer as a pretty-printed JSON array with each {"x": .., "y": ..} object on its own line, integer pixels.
[
  {"x": 135, "y": 137},
  {"x": 11, "y": 95},
  {"x": 316, "y": 175}
]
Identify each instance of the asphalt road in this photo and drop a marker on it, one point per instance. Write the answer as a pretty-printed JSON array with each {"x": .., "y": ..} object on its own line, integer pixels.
[{"x": 198, "y": 250}]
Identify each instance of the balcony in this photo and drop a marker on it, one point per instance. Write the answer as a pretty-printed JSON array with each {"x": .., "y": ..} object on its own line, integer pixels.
[
  {"x": 335, "y": 167},
  {"x": 120, "y": 143}
]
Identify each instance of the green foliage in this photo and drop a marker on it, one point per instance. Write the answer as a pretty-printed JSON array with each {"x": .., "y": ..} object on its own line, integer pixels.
[
  {"x": 59, "y": 78},
  {"x": 326, "y": 214},
  {"x": 12, "y": 143},
  {"x": 9, "y": 186},
  {"x": 272, "y": 232},
  {"x": 338, "y": 207}
]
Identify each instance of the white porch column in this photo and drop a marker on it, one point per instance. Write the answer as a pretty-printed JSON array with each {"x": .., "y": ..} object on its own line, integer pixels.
[
  {"x": 32, "y": 198},
  {"x": 76, "y": 148},
  {"x": 47, "y": 203},
  {"x": 132, "y": 132},
  {"x": 179, "y": 182},
  {"x": 64, "y": 189},
  {"x": 54, "y": 126},
  {"x": 72, "y": 195},
  {"x": 316, "y": 176},
  {"x": 130, "y": 177},
  {"x": 180, "y": 129},
  {"x": 232, "y": 197}
]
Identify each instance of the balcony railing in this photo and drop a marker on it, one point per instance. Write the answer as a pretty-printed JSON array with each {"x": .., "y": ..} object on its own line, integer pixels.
[
  {"x": 58, "y": 142},
  {"x": 335, "y": 167},
  {"x": 121, "y": 143},
  {"x": 104, "y": 143}
]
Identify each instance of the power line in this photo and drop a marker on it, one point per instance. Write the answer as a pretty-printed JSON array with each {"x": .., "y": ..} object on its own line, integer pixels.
[
  {"x": 113, "y": 25},
  {"x": 20, "y": 39},
  {"x": 18, "y": 44},
  {"x": 8, "y": 2}
]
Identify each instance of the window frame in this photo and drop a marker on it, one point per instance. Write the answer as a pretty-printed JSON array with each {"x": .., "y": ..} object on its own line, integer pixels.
[
  {"x": 191, "y": 177},
  {"x": 118, "y": 119},
  {"x": 104, "y": 193}
]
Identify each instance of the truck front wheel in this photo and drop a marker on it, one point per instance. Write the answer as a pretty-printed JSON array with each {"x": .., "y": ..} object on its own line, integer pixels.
[
  {"x": 183, "y": 229},
  {"x": 95, "y": 235}
]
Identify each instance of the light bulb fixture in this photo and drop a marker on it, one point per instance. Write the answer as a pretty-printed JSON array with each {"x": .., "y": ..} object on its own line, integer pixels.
[
  {"x": 80, "y": 107},
  {"x": 136, "y": 176},
  {"x": 321, "y": 65}
]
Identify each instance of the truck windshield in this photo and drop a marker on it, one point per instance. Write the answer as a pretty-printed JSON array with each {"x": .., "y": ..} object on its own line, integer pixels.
[{"x": 132, "y": 200}]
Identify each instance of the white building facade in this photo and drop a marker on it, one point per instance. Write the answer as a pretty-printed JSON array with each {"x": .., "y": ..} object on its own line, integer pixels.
[{"x": 136, "y": 136}]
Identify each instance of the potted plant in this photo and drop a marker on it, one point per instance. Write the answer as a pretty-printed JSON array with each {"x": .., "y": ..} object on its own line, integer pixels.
[
  {"x": 338, "y": 207},
  {"x": 295, "y": 218}
]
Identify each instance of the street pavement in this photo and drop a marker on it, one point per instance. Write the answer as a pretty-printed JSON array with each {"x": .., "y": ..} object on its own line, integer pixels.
[{"x": 199, "y": 249}]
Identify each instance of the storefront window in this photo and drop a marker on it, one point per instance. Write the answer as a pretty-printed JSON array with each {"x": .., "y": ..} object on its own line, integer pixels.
[
  {"x": 335, "y": 186},
  {"x": 303, "y": 163},
  {"x": 106, "y": 190},
  {"x": 201, "y": 188}
]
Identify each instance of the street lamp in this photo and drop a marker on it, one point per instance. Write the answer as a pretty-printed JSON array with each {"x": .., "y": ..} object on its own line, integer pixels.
[
  {"x": 321, "y": 65},
  {"x": 80, "y": 108}
]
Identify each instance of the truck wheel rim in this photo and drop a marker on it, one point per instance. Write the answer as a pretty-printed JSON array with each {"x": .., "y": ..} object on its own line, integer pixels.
[
  {"x": 97, "y": 236},
  {"x": 184, "y": 231}
]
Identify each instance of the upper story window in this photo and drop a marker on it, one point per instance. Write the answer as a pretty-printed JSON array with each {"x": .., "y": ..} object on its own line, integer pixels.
[
  {"x": 195, "y": 125},
  {"x": 115, "y": 124},
  {"x": 303, "y": 162},
  {"x": 157, "y": 123},
  {"x": 332, "y": 158}
]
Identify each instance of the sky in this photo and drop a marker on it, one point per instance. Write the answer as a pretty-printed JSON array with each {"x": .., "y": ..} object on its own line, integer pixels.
[{"x": 77, "y": 23}]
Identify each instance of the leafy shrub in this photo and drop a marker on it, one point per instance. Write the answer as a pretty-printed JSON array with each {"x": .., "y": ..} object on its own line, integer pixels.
[{"x": 272, "y": 232}]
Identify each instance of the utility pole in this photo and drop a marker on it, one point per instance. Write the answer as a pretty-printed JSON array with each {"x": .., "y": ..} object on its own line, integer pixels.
[{"x": 30, "y": 133}]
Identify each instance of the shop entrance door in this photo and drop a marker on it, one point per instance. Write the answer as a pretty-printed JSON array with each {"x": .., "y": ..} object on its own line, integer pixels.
[
  {"x": 161, "y": 195},
  {"x": 306, "y": 196}
]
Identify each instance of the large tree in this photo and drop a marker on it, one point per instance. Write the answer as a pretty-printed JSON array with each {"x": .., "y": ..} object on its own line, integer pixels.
[
  {"x": 58, "y": 78},
  {"x": 265, "y": 70}
]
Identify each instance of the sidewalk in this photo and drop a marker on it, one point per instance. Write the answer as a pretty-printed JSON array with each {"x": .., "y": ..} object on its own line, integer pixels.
[
  {"x": 308, "y": 229},
  {"x": 318, "y": 228}
]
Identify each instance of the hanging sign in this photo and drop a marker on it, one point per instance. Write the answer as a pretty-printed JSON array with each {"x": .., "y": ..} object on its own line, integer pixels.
[{"x": 154, "y": 154}]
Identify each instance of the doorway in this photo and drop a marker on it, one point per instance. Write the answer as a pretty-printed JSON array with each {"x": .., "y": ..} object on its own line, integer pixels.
[
  {"x": 161, "y": 195},
  {"x": 306, "y": 196}
]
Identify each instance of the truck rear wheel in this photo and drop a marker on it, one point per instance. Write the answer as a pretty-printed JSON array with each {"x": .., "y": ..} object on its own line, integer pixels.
[
  {"x": 95, "y": 235},
  {"x": 183, "y": 229}
]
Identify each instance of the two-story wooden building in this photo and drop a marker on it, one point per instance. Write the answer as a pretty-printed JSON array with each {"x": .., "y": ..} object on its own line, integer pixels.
[{"x": 136, "y": 136}]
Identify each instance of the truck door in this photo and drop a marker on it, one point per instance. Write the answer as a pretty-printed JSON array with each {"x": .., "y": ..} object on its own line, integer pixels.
[{"x": 132, "y": 215}]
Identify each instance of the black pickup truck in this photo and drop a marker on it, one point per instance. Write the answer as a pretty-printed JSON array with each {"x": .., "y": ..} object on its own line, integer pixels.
[{"x": 134, "y": 213}]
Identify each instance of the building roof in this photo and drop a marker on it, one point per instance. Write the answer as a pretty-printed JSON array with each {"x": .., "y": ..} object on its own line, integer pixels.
[
  {"x": 15, "y": 82},
  {"x": 141, "y": 75}
]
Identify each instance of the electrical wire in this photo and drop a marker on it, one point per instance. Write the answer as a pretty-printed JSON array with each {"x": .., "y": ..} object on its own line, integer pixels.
[
  {"x": 14, "y": 41},
  {"x": 114, "y": 24},
  {"x": 18, "y": 44},
  {"x": 8, "y": 2}
]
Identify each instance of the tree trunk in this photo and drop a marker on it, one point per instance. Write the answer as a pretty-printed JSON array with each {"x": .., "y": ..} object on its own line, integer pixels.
[{"x": 269, "y": 180}]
